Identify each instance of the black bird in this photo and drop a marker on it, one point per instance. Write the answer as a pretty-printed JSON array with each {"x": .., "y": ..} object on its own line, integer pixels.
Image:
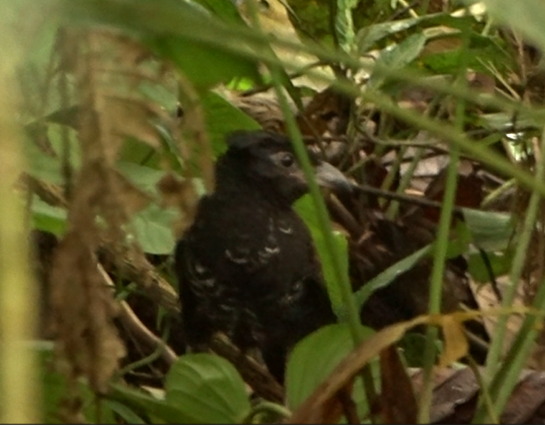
[{"x": 247, "y": 266}]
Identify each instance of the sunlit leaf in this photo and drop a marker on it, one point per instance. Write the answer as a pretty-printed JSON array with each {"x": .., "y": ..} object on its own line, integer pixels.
[{"x": 153, "y": 229}]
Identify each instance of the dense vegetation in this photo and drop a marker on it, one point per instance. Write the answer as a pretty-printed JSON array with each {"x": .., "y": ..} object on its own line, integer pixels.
[{"x": 112, "y": 115}]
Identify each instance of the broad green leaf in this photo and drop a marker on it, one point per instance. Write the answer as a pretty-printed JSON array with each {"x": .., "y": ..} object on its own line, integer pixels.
[
  {"x": 503, "y": 121},
  {"x": 460, "y": 240},
  {"x": 48, "y": 218},
  {"x": 344, "y": 25},
  {"x": 389, "y": 275},
  {"x": 37, "y": 36},
  {"x": 182, "y": 31},
  {"x": 39, "y": 165},
  {"x": 138, "y": 152},
  {"x": 203, "y": 65},
  {"x": 368, "y": 36},
  {"x": 372, "y": 34},
  {"x": 397, "y": 56},
  {"x": 491, "y": 231},
  {"x": 153, "y": 229},
  {"x": 45, "y": 166},
  {"x": 305, "y": 208},
  {"x": 164, "y": 94},
  {"x": 312, "y": 19},
  {"x": 225, "y": 9},
  {"x": 145, "y": 178},
  {"x": 315, "y": 357},
  {"x": 525, "y": 16},
  {"x": 125, "y": 412},
  {"x": 207, "y": 388},
  {"x": 159, "y": 410},
  {"x": 481, "y": 52},
  {"x": 500, "y": 263},
  {"x": 223, "y": 117}
]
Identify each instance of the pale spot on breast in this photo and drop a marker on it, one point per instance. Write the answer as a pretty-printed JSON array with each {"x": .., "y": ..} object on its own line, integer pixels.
[
  {"x": 235, "y": 259},
  {"x": 284, "y": 227}
]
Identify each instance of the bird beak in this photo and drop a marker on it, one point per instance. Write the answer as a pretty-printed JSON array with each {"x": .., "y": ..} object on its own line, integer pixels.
[{"x": 329, "y": 176}]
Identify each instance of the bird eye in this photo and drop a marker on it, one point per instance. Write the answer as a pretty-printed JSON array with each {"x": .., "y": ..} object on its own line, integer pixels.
[{"x": 287, "y": 160}]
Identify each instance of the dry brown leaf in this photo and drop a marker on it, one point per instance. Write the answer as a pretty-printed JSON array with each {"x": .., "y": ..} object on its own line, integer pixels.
[
  {"x": 87, "y": 342},
  {"x": 133, "y": 117},
  {"x": 328, "y": 111},
  {"x": 328, "y": 412},
  {"x": 361, "y": 355},
  {"x": 130, "y": 196},
  {"x": 456, "y": 345},
  {"x": 194, "y": 145},
  {"x": 397, "y": 399},
  {"x": 320, "y": 400},
  {"x": 180, "y": 194}
]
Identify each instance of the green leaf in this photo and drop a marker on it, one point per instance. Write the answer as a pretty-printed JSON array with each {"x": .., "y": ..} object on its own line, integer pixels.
[
  {"x": 312, "y": 19},
  {"x": 397, "y": 56},
  {"x": 39, "y": 165},
  {"x": 490, "y": 231},
  {"x": 460, "y": 242},
  {"x": 368, "y": 36},
  {"x": 481, "y": 52},
  {"x": 315, "y": 357},
  {"x": 153, "y": 228},
  {"x": 344, "y": 24},
  {"x": 208, "y": 389},
  {"x": 525, "y": 16},
  {"x": 183, "y": 31},
  {"x": 371, "y": 34},
  {"x": 48, "y": 218},
  {"x": 138, "y": 152},
  {"x": 144, "y": 404},
  {"x": 500, "y": 263},
  {"x": 223, "y": 117},
  {"x": 204, "y": 65},
  {"x": 389, "y": 275},
  {"x": 125, "y": 412},
  {"x": 502, "y": 121},
  {"x": 225, "y": 9},
  {"x": 305, "y": 208},
  {"x": 146, "y": 178},
  {"x": 45, "y": 166}
]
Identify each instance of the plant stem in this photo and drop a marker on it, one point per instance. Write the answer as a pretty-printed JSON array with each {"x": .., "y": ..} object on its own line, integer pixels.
[
  {"x": 19, "y": 383},
  {"x": 504, "y": 377},
  {"x": 441, "y": 246}
]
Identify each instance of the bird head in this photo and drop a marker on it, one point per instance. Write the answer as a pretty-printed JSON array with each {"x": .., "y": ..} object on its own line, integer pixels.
[{"x": 269, "y": 161}]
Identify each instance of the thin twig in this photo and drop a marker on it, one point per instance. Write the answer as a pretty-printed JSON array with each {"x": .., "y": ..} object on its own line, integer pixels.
[
  {"x": 135, "y": 325},
  {"x": 423, "y": 202}
]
